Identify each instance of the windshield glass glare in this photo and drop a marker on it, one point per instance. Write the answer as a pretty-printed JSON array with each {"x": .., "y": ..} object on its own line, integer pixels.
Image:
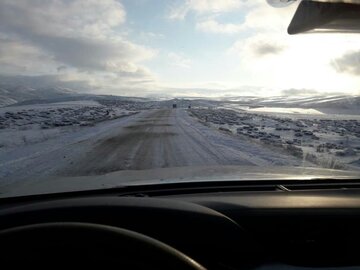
[{"x": 184, "y": 90}]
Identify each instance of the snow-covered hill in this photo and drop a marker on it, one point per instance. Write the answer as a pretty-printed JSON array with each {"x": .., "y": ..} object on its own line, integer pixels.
[
  {"x": 324, "y": 103},
  {"x": 15, "y": 93}
]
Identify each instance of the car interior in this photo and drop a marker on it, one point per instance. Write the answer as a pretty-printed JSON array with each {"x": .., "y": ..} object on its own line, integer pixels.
[
  {"x": 220, "y": 225},
  {"x": 210, "y": 225}
]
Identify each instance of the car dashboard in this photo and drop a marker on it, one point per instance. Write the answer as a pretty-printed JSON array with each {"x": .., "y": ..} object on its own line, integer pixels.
[{"x": 268, "y": 226}]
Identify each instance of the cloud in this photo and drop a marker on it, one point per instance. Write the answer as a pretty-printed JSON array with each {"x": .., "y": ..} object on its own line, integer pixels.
[
  {"x": 260, "y": 49},
  {"x": 43, "y": 82},
  {"x": 93, "y": 54},
  {"x": 263, "y": 17},
  {"x": 146, "y": 36},
  {"x": 258, "y": 16},
  {"x": 61, "y": 68},
  {"x": 180, "y": 11},
  {"x": 348, "y": 63},
  {"x": 213, "y": 26},
  {"x": 299, "y": 92},
  {"x": 17, "y": 56},
  {"x": 259, "y": 46},
  {"x": 179, "y": 60},
  {"x": 264, "y": 50},
  {"x": 62, "y": 17},
  {"x": 38, "y": 38}
]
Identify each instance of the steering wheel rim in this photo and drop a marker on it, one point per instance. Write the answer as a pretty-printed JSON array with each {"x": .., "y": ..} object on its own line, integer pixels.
[{"x": 89, "y": 242}]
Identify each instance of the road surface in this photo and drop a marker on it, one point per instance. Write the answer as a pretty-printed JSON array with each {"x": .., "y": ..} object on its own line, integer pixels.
[
  {"x": 163, "y": 138},
  {"x": 159, "y": 139},
  {"x": 166, "y": 138}
]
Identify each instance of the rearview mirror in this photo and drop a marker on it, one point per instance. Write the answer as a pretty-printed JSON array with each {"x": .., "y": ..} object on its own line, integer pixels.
[{"x": 341, "y": 16}]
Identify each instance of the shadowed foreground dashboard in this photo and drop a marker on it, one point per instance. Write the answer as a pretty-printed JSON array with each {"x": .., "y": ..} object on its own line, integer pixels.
[{"x": 293, "y": 226}]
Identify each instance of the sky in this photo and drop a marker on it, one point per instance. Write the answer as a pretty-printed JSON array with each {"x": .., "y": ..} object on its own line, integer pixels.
[{"x": 173, "y": 48}]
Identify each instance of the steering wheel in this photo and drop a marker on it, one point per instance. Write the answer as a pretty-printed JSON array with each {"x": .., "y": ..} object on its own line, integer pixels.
[{"x": 68, "y": 242}]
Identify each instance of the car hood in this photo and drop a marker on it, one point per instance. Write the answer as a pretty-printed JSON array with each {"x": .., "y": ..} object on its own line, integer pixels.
[{"x": 173, "y": 175}]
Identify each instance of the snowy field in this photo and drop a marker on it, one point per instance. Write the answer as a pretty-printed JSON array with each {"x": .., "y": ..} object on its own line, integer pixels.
[
  {"x": 29, "y": 124},
  {"x": 329, "y": 141}
]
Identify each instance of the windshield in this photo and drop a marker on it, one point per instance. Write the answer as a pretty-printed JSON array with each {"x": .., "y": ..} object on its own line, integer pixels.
[{"x": 184, "y": 90}]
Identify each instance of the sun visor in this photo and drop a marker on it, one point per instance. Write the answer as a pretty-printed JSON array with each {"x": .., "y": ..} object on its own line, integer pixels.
[{"x": 326, "y": 16}]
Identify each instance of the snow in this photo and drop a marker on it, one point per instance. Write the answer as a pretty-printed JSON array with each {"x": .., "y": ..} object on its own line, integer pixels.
[
  {"x": 157, "y": 138},
  {"x": 36, "y": 160},
  {"x": 322, "y": 141},
  {"x": 96, "y": 137},
  {"x": 28, "y": 124},
  {"x": 285, "y": 110},
  {"x": 327, "y": 104},
  {"x": 292, "y": 110}
]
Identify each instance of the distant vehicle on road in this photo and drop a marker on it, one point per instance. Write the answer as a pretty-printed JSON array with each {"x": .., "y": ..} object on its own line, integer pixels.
[{"x": 174, "y": 106}]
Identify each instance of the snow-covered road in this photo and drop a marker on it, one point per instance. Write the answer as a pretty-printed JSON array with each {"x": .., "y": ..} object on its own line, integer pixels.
[
  {"x": 151, "y": 139},
  {"x": 157, "y": 140}
]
